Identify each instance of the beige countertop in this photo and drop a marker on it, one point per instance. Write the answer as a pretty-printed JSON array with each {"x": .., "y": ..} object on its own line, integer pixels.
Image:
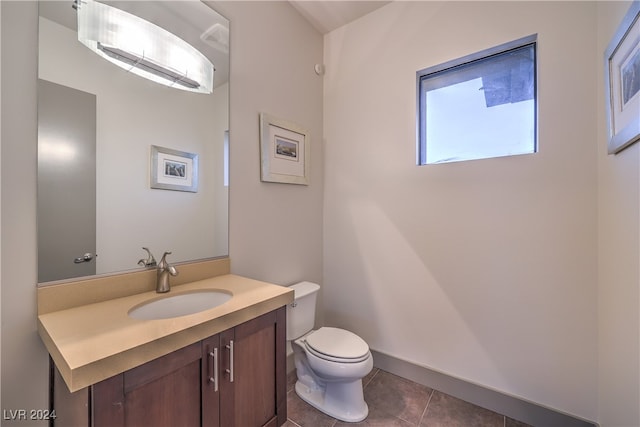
[{"x": 92, "y": 342}]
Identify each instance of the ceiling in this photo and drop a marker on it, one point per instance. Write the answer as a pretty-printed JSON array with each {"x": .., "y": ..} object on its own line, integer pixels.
[
  {"x": 327, "y": 15},
  {"x": 324, "y": 15}
]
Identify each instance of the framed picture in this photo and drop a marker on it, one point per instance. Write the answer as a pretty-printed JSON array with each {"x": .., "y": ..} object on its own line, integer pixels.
[
  {"x": 284, "y": 151},
  {"x": 173, "y": 169},
  {"x": 622, "y": 75}
]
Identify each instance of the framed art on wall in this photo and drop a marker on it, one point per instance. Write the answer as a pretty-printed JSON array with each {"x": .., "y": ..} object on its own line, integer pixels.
[
  {"x": 284, "y": 151},
  {"x": 622, "y": 78},
  {"x": 173, "y": 169}
]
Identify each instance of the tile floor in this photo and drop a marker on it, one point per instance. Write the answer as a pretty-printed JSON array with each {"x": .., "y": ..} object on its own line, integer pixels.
[{"x": 396, "y": 402}]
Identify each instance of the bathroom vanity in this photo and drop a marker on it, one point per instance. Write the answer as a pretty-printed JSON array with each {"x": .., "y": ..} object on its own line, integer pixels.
[{"x": 223, "y": 366}]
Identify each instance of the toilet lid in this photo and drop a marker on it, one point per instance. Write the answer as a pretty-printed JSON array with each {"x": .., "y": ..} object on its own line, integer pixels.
[{"x": 337, "y": 343}]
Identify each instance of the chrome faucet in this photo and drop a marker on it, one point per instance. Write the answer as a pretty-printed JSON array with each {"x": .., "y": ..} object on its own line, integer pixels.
[
  {"x": 150, "y": 261},
  {"x": 164, "y": 270}
]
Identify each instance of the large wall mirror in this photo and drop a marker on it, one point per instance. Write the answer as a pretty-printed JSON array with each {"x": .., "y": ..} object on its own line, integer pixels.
[{"x": 99, "y": 128}]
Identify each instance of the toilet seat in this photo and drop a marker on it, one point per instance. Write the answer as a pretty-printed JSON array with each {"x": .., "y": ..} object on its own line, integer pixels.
[{"x": 337, "y": 345}]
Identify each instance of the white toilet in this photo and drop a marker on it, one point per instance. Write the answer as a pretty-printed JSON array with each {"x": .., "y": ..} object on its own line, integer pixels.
[{"x": 330, "y": 362}]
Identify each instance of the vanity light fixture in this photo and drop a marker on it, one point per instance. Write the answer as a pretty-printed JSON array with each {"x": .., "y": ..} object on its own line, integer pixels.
[{"x": 143, "y": 48}]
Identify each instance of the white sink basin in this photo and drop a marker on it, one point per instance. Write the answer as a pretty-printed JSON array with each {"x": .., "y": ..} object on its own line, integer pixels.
[{"x": 179, "y": 304}]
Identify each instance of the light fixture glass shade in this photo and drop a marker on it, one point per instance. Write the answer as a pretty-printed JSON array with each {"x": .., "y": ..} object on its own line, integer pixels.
[{"x": 143, "y": 48}]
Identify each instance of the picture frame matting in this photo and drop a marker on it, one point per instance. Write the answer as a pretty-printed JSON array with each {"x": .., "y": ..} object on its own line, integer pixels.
[
  {"x": 284, "y": 151},
  {"x": 173, "y": 169}
]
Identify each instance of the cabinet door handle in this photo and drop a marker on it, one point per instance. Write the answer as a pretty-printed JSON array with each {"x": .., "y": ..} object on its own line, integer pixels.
[
  {"x": 213, "y": 356},
  {"x": 230, "y": 370}
]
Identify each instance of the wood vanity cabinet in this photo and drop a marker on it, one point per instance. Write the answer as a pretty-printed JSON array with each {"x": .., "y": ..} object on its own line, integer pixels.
[{"x": 179, "y": 389}]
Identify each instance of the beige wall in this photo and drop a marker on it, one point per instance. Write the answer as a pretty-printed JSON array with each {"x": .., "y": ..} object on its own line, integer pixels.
[
  {"x": 618, "y": 255},
  {"x": 0, "y": 207},
  {"x": 24, "y": 359},
  {"x": 484, "y": 270},
  {"x": 275, "y": 229}
]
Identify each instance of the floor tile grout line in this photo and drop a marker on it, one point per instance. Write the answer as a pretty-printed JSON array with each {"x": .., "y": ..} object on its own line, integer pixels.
[
  {"x": 371, "y": 379},
  {"x": 424, "y": 413},
  {"x": 427, "y": 411}
]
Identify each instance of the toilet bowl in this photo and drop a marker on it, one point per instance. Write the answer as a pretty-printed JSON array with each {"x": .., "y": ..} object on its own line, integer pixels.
[{"x": 330, "y": 362}]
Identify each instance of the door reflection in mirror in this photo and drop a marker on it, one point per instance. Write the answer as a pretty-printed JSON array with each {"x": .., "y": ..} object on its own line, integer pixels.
[{"x": 66, "y": 181}]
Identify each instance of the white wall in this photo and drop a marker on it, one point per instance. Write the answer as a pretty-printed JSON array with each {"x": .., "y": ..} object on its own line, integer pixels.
[
  {"x": 276, "y": 229},
  {"x": 484, "y": 270},
  {"x": 273, "y": 54},
  {"x": 0, "y": 200},
  {"x": 24, "y": 359},
  {"x": 618, "y": 255}
]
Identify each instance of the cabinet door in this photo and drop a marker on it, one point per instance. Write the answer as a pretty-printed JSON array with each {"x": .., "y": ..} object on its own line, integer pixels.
[
  {"x": 234, "y": 379},
  {"x": 211, "y": 378},
  {"x": 163, "y": 392},
  {"x": 253, "y": 389}
]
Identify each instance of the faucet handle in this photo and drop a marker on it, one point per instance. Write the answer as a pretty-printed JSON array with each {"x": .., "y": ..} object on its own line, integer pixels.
[
  {"x": 164, "y": 265},
  {"x": 164, "y": 270},
  {"x": 172, "y": 270},
  {"x": 163, "y": 260},
  {"x": 150, "y": 261}
]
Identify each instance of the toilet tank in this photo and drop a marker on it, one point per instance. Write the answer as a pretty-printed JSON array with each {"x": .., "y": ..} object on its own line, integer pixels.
[{"x": 301, "y": 313}]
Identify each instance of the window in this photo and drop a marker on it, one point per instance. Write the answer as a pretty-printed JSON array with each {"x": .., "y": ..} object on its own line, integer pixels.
[{"x": 479, "y": 106}]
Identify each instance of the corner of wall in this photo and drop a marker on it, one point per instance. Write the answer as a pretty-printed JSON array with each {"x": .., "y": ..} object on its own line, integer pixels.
[{"x": 24, "y": 361}]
